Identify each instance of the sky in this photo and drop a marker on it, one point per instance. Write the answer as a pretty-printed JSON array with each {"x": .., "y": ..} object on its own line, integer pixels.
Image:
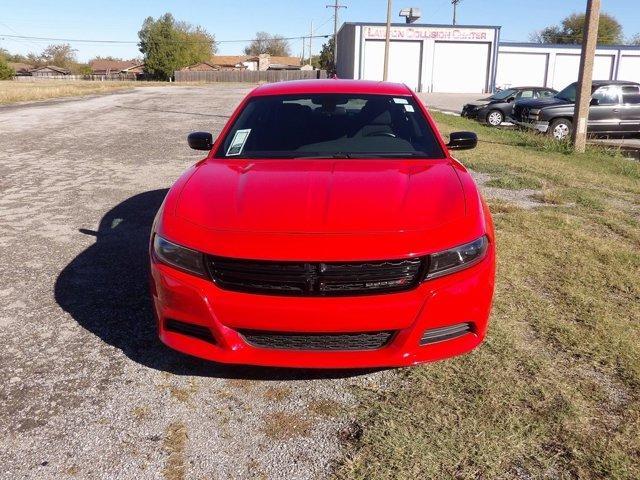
[{"x": 239, "y": 20}]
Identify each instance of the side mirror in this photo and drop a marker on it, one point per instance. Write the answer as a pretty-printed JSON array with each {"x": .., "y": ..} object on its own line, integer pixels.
[
  {"x": 462, "y": 141},
  {"x": 200, "y": 140},
  {"x": 510, "y": 99},
  {"x": 594, "y": 101}
]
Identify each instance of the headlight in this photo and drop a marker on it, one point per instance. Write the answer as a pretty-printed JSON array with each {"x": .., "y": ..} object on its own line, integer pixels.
[
  {"x": 178, "y": 256},
  {"x": 458, "y": 258}
]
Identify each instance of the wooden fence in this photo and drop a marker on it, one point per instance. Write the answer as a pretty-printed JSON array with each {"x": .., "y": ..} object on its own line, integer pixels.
[{"x": 249, "y": 76}]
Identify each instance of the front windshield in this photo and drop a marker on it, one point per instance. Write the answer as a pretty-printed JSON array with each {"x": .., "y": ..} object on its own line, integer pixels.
[
  {"x": 568, "y": 94},
  {"x": 330, "y": 126},
  {"x": 510, "y": 92}
]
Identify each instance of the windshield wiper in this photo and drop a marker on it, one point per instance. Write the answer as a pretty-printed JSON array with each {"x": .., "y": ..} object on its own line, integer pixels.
[{"x": 345, "y": 155}]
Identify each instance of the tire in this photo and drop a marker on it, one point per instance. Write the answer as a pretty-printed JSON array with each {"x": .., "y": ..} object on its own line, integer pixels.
[
  {"x": 561, "y": 129},
  {"x": 495, "y": 118}
]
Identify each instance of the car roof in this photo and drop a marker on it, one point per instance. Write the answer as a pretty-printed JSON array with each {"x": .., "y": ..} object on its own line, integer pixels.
[
  {"x": 332, "y": 86},
  {"x": 613, "y": 82},
  {"x": 530, "y": 87}
]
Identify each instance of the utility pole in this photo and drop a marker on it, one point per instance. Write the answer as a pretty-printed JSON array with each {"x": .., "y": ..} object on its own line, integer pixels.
[
  {"x": 585, "y": 75},
  {"x": 387, "y": 38},
  {"x": 455, "y": 5},
  {"x": 335, "y": 7},
  {"x": 310, "y": 39}
]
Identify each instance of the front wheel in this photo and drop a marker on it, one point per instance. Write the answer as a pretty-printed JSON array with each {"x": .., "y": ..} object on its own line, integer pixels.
[
  {"x": 560, "y": 129},
  {"x": 495, "y": 118}
]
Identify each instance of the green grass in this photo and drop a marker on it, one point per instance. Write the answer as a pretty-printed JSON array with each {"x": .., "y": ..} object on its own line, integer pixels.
[{"x": 554, "y": 392}]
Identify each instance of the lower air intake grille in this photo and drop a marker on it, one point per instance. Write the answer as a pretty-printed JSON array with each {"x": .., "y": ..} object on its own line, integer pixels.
[
  {"x": 445, "y": 333},
  {"x": 313, "y": 279},
  {"x": 318, "y": 341},
  {"x": 190, "y": 329}
]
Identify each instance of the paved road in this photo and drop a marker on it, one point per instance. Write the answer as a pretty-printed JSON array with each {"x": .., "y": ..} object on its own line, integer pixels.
[{"x": 86, "y": 390}]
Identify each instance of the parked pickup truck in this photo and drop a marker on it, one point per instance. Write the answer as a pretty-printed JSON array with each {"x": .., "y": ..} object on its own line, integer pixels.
[{"x": 615, "y": 108}]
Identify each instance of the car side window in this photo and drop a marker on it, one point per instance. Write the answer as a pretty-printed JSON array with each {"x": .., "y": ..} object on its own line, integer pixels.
[
  {"x": 607, "y": 95},
  {"x": 525, "y": 94},
  {"x": 545, "y": 94},
  {"x": 631, "y": 95}
]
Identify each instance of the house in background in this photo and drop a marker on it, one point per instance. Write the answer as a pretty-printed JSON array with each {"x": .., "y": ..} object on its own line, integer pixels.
[
  {"x": 21, "y": 69},
  {"x": 49, "y": 71},
  {"x": 245, "y": 62},
  {"x": 133, "y": 69}
]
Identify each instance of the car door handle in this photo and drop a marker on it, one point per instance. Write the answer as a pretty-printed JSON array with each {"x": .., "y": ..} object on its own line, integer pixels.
[{"x": 616, "y": 110}]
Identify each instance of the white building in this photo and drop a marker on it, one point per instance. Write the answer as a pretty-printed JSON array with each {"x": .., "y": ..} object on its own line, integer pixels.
[
  {"x": 556, "y": 66},
  {"x": 428, "y": 58},
  {"x": 469, "y": 58}
]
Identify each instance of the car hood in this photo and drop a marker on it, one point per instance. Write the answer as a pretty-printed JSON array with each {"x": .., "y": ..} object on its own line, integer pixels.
[
  {"x": 544, "y": 102},
  {"x": 481, "y": 102},
  {"x": 322, "y": 196}
]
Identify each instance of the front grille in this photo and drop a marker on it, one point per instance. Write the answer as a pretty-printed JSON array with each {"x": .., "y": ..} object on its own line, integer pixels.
[
  {"x": 317, "y": 341},
  {"x": 190, "y": 329},
  {"x": 314, "y": 278}
]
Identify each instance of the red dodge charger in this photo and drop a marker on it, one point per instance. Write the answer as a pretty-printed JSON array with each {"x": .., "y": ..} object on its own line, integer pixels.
[{"x": 327, "y": 227}]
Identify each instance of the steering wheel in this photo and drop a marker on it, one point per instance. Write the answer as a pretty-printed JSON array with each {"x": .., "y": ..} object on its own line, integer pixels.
[{"x": 381, "y": 134}]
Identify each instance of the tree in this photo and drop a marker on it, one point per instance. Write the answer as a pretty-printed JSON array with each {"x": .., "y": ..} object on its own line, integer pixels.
[
  {"x": 572, "y": 28},
  {"x": 108, "y": 58},
  {"x": 60, "y": 55},
  {"x": 169, "y": 45},
  {"x": 325, "y": 59},
  {"x": 12, "y": 57},
  {"x": 6, "y": 72},
  {"x": 635, "y": 40},
  {"x": 264, "y": 42}
]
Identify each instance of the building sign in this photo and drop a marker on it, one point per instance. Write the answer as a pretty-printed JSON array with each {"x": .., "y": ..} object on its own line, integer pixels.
[{"x": 426, "y": 33}]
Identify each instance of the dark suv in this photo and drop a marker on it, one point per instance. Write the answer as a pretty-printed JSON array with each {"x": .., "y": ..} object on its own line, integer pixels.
[
  {"x": 494, "y": 109},
  {"x": 615, "y": 108}
]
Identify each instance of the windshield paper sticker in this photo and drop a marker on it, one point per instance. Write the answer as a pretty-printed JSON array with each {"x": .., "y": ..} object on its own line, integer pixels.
[
  {"x": 402, "y": 101},
  {"x": 237, "y": 144},
  {"x": 409, "y": 108}
]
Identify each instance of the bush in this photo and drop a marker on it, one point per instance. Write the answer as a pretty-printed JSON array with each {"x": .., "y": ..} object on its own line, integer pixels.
[{"x": 6, "y": 72}]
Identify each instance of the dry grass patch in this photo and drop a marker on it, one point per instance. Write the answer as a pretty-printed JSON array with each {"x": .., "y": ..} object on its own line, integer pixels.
[
  {"x": 554, "y": 392},
  {"x": 174, "y": 445},
  {"x": 284, "y": 425},
  {"x": 14, "y": 91},
  {"x": 325, "y": 408},
  {"x": 276, "y": 394}
]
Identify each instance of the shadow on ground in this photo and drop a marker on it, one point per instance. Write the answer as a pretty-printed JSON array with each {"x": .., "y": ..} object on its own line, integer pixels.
[{"x": 105, "y": 289}]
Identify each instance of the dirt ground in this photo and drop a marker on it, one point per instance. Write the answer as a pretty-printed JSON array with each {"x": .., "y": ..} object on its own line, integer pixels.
[{"x": 86, "y": 390}]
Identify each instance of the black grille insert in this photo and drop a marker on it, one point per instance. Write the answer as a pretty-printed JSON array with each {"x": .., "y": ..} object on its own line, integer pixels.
[
  {"x": 190, "y": 329},
  {"x": 445, "y": 333},
  {"x": 317, "y": 341},
  {"x": 315, "y": 278}
]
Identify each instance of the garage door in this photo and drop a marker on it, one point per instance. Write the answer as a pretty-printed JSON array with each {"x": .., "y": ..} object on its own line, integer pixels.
[
  {"x": 567, "y": 66},
  {"x": 405, "y": 62},
  {"x": 629, "y": 68},
  {"x": 521, "y": 69},
  {"x": 460, "y": 67}
]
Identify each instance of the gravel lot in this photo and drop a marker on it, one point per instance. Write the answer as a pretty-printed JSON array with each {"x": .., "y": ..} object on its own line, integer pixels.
[{"x": 86, "y": 390}]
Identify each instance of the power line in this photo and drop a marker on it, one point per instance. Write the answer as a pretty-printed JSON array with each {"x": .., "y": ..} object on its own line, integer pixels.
[{"x": 77, "y": 40}]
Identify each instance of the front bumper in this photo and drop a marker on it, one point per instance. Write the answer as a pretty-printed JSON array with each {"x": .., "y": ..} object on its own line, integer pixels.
[
  {"x": 470, "y": 112},
  {"x": 463, "y": 297},
  {"x": 538, "y": 125}
]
